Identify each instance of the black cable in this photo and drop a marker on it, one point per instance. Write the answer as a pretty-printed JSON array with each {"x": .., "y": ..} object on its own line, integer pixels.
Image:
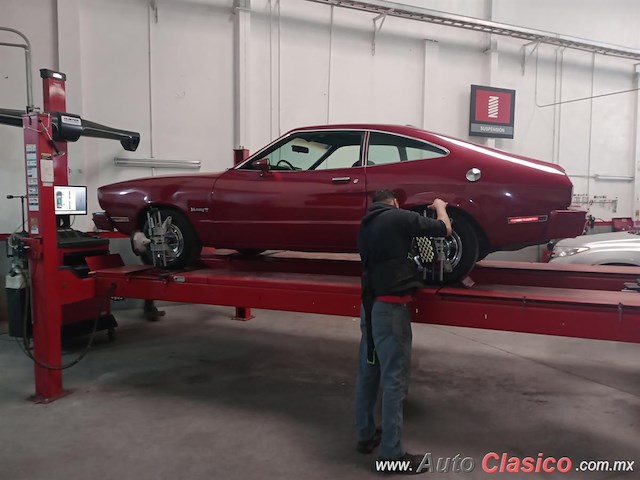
[
  {"x": 439, "y": 288},
  {"x": 24, "y": 346}
]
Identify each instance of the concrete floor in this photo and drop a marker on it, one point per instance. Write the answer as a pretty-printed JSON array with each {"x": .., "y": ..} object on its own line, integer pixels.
[{"x": 198, "y": 396}]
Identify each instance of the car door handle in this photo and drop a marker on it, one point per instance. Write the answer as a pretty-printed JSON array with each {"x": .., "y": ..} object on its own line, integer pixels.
[{"x": 340, "y": 179}]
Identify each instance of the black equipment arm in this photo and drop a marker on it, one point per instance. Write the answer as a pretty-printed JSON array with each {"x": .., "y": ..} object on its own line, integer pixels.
[
  {"x": 11, "y": 117},
  {"x": 69, "y": 127}
]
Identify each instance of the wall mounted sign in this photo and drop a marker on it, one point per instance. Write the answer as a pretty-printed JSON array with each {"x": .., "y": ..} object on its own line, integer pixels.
[{"x": 492, "y": 112}]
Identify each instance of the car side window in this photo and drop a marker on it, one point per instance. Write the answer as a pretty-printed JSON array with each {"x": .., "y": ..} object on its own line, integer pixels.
[
  {"x": 388, "y": 148},
  {"x": 343, "y": 157},
  {"x": 319, "y": 150},
  {"x": 380, "y": 154}
]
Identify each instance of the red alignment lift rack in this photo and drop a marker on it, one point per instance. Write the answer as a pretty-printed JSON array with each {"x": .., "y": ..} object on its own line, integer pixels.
[
  {"x": 574, "y": 301},
  {"x": 536, "y": 298}
]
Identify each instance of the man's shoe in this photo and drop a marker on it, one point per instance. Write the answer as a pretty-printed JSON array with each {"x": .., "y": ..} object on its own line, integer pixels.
[
  {"x": 367, "y": 446},
  {"x": 408, "y": 464},
  {"x": 151, "y": 312}
]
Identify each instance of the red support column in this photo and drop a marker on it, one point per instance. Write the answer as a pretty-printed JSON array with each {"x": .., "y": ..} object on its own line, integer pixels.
[
  {"x": 46, "y": 308},
  {"x": 55, "y": 100},
  {"x": 243, "y": 314},
  {"x": 239, "y": 156}
]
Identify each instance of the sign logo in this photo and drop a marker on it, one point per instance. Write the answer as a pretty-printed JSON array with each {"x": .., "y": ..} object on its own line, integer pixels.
[
  {"x": 491, "y": 112},
  {"x": 494, "y": 105}
]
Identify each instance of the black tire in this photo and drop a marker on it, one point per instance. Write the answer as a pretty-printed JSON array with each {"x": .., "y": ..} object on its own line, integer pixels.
[
  {"x": 461, "y": 248},
  {"x": 182, "y": 238}
]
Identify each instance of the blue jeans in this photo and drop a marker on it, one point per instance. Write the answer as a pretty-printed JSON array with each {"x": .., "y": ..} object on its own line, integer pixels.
[{"x": 391, "y": 325}]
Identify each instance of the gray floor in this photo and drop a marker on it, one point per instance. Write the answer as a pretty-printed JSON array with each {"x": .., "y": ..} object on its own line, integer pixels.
[{"x": 198, "y": 396}]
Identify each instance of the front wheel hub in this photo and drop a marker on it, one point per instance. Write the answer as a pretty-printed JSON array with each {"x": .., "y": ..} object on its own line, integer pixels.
[
  {"x": 175, "y": 241},
  {"x": 453, "y": 249}
]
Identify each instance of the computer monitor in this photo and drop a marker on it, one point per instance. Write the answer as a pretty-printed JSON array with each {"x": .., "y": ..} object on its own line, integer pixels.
[{"x": 70, "y": 200}]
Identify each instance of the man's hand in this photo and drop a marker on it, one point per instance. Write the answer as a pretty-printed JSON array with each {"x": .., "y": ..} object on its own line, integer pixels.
[
  {"x": 440, "y": 206},
  {"x": 438, "y": 203}
]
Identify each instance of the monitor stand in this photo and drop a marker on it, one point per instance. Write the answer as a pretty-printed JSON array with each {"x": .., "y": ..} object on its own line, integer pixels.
[{"x": 63, "y": 221}]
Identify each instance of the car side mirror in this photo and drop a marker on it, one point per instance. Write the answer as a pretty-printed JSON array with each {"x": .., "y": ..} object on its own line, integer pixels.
[{"x": 262, "y": 165}]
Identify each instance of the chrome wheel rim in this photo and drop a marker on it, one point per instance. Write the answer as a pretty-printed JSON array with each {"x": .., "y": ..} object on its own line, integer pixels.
[
  {"x": 453, "y": 249},
  {"x": 174, "y": 241}
]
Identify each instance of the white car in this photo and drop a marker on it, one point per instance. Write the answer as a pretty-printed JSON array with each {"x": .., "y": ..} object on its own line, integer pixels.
[{"x": 615, "y": 248}]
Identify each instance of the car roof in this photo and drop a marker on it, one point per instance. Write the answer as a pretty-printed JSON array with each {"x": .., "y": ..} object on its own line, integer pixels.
[
  {"x": 405, "y": 130},
  {"x": 408, "y": 130},
  {"x": 450, "y": 143}
]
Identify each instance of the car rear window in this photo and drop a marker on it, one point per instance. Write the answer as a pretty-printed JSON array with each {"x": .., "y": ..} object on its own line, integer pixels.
[{"x": 388, "y": 148}]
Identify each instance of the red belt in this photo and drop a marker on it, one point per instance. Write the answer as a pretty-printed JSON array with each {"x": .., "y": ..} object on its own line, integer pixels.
[{"x": 395, "y": 298}]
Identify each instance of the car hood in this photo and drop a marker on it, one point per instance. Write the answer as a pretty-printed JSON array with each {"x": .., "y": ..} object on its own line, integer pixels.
[
  {"x": 602, "y": 240},
  {"x": 161, "y": 179}
]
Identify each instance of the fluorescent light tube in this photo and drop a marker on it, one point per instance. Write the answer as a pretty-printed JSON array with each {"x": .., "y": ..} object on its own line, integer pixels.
[
  {"x": 157, "y": 163},
  {"x": 615, "y": 178}
]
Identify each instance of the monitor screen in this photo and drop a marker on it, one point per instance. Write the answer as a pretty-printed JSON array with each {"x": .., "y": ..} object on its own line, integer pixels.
[{"x": 70, "y": 200}]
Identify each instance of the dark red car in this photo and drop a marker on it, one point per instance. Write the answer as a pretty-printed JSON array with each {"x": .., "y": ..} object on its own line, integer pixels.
[{"x": 309, "y": 189}]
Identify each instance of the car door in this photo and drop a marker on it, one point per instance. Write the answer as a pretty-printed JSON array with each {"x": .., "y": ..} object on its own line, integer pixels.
[
  {"x": 312, "y": 197},
  {"x": 412, "y": 167}
]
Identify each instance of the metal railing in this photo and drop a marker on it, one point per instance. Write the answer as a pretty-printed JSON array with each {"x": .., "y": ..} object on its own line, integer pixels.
[
  {"x": 27, "y": 56},
  {"x": 392, "y": 9}
]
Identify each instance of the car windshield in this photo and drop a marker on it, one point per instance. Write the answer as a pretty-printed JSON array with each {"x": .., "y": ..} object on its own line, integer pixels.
[{"x": 314, "y": 151}]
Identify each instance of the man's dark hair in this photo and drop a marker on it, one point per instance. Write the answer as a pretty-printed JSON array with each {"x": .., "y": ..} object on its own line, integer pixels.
[{"x": 383, "y": 195}]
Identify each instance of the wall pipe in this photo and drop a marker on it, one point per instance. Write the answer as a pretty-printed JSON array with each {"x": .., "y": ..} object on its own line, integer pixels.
[
  {"x": 593, "y": 80},
  {"x": 329, "y": 69}
]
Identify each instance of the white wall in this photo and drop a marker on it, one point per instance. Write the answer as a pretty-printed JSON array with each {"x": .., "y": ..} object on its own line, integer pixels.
[
  {"x": 191, "y": 83},
  {"x": 592, "y": 137},
  {"x": 306, "y": 69},
  {"x": 27, "y": 16}
]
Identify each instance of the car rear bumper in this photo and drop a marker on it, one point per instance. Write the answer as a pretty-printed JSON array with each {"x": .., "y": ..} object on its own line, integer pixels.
[{"x": 566, "y": 223}]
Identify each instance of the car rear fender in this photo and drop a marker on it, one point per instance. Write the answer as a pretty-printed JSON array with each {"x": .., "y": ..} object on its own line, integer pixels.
[{"x": 456, "y": 206}]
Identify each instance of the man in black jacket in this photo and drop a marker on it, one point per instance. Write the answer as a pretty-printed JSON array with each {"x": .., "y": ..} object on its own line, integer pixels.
[{"x": 389, "y": 281}]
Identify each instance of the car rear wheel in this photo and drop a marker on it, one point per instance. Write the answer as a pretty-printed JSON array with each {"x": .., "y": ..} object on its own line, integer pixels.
[
  {"x": 184, "y": 245},
  {"x": 461, "y": 249}
]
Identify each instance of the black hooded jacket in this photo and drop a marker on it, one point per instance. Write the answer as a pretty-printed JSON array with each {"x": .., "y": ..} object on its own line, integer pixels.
[{"x": 384, "y": 241}]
